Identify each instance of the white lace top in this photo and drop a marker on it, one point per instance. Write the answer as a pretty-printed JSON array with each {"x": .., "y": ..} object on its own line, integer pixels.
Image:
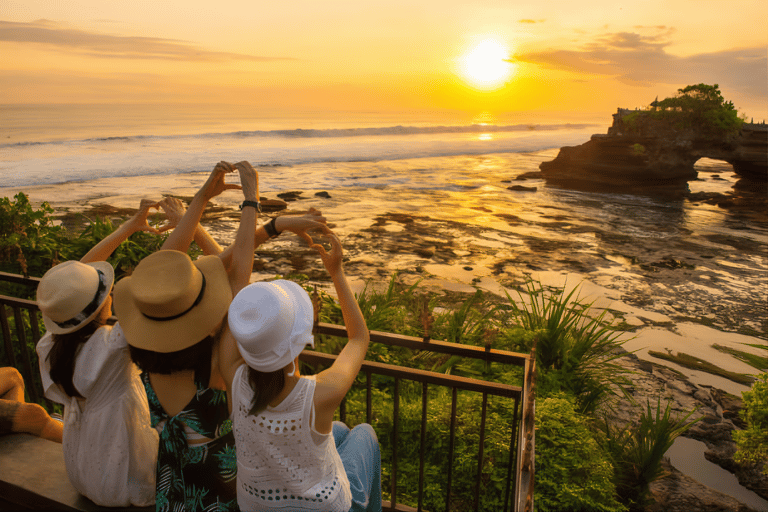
[
  {"x": 282, "y": 462},
  {"x": 110, "y": 448}
]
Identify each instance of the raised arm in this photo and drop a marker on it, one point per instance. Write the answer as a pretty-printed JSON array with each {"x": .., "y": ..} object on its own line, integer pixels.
[
  {"x": 334, "y": 383},
  {"x": 183, "y": 234},
  {"x": 240, "y": 271},
  {"x": 174, "y": 212},
  {"x": 138, "y": 222},
  {"x": 293, "y": 223}
]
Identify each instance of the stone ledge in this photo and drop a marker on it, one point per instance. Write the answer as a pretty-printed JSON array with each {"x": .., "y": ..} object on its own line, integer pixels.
[{"x": 33, "y": 477}]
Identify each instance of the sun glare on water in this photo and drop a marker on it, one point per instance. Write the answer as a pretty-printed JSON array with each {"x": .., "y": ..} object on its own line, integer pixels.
[{"x": 486, "y": 65}]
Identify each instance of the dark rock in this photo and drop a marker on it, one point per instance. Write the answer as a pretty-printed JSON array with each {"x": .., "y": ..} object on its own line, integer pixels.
[
  {"x": 292, "y": 195},
  {"x": 273, "y": 205},
  {"x": 676, "y": 492},
  {"x": 323, "y": 194},
  {"x": 530, "y": 175},
  {"x": 521, "y": 188},
  {"x": 656, "y": 156}
]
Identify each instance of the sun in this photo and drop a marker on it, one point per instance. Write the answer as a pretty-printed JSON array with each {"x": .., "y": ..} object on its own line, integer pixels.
[{"x": 486, "y": 65}]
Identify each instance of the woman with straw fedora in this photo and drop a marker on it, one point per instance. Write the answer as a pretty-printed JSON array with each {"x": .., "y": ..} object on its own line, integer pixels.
[
  {"x": 172, "y": 309},
  {"x": 109, "y": 447}
]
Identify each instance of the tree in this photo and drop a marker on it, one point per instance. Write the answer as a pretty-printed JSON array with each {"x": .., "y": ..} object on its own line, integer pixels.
[{"x": 701, "y": 107}]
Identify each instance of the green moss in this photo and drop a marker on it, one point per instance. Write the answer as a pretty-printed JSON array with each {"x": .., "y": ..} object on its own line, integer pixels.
[
  {"x": 694, "y": 363},
  {"x": 759, "y": 362}
]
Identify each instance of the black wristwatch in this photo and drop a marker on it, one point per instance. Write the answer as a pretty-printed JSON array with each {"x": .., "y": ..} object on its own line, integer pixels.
[{"x": 255, "y": 204}]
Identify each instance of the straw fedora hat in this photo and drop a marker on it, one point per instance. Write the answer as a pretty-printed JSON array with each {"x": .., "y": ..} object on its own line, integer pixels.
[
  {"x": 170, "y": 302},
  {"x": 272, "y": 323},
  {"x": 71, "y": 294}
]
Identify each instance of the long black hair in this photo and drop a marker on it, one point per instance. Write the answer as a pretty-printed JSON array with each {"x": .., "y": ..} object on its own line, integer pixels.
[
  {"x": 196, "y": 357},
  {"x": 266, "y": 386},
  {"x": 63, "y": 352}
]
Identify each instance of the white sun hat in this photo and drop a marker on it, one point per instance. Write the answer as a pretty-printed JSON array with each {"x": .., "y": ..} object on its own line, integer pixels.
[
  {"x": 71, "y": 294},
  {"x": 272, "y": 323}
]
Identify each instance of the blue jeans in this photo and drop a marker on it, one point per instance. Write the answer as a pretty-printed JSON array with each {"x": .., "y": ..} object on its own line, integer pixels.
[{"x": 359, "y": 452}]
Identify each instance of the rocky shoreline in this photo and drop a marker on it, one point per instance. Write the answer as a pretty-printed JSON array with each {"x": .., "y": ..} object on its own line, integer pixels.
[{"x": 718, "y": 418}]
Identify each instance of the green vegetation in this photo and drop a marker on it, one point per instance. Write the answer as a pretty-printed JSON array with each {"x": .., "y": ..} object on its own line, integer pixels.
[
  {"x": 695, "y": 363},
  {"x": 32, "y": 242},
  {"x": 759, "y": 362},
  {"x": 752, "y": 442},
  {"x": 700, "y": 107},
  {"x": 579, "y": 464},
  {"x": 638, "y": 149},
  {"x": 637, "y": 451}
]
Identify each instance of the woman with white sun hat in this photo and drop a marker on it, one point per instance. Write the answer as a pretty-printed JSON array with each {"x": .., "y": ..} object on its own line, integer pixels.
[
  {"x": 109, "y": 447},
  {"x": 291, "y": 455}
]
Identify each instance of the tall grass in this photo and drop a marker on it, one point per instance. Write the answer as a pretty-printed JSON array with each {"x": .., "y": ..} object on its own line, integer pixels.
[
  {"x": 575, "y": 350},
  {"x": 637, "y": 451}
]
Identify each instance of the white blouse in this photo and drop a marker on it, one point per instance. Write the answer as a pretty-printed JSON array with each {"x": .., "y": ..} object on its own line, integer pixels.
[
  {"x": 110, "y": 447},
  {"x": 283, "y": 463}
]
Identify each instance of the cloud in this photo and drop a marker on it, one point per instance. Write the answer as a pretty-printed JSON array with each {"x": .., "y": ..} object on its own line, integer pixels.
[
  {"x": 642, "y": 60},
  {"x": 530, "y": 21},
  {"x": 48, "y": 33}
]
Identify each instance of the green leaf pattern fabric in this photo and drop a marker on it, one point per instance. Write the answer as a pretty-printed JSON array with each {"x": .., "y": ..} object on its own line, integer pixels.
[{"x": 198, "y": 477}]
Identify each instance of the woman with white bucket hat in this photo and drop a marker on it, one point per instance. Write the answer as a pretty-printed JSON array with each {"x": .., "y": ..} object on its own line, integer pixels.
[
  {"x": 291, "y": 455},
  {"x": 109, "y": 447}
]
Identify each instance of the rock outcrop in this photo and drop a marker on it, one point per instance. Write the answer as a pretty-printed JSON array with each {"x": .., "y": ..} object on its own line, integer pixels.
[{"x": 656, "y": 155}]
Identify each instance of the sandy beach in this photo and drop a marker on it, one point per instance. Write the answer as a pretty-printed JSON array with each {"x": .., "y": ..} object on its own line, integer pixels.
[{"x": 682, "y": 277}]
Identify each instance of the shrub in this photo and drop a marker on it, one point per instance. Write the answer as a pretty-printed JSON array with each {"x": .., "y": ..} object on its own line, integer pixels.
[
  {"x": 572, "y": 473},
  {"x": 752, "y": 442}
]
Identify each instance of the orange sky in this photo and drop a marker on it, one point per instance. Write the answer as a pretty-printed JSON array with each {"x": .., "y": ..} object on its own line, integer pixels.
[{"x": 397, "y": 55}]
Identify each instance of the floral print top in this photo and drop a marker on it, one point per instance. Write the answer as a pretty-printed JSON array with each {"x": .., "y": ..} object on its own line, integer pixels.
[{"x": 195, "y": 477}]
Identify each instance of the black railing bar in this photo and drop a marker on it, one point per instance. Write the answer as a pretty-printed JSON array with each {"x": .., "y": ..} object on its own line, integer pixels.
[
  {"x": 21, "y": 335},
  {"x": 17, "y": 302},
  {"x": 438, "y": 379},
  {"x": 452, "y": 439},
  {"x": 445, "y": 347},
  {"x": 343, "y": 410},
  {"x": 368, "y": 398},
  {"x": 35, "y": 326},
  {"x": 19, "y": 279},
  {"x": 512, "y": 466},
  {"x": 7, "y": 336},
  {"x": 423, "y": 442},
  {"x": 395, "y": 440},
  {"x": 481, "y": 452}
]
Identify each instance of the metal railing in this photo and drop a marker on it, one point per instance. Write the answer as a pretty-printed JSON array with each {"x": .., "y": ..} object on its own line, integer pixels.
[{"x": 19, "y": 322}]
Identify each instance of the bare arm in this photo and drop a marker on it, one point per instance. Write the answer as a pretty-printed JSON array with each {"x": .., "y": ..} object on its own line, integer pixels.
[
  {"x": 181, "y": 237},
  {"x": 138, "y": 222},
  {"x": 174, "y": 212},
  {"x": 334, "y": 383},
  {"x": 295, "y": 224},
  {"x": 240, "y": 272}
]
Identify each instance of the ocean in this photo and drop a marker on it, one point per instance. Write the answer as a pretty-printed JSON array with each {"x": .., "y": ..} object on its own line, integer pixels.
[{"x": 48, "y": 144}]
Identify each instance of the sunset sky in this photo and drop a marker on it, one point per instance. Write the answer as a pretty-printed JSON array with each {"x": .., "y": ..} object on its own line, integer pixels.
[{"x": 492, "y": 55}]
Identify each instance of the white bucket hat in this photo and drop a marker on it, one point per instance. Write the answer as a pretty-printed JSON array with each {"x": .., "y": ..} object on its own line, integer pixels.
[
  {"x": 272, "y": 323},
  {"x": 71, "y": 294}
]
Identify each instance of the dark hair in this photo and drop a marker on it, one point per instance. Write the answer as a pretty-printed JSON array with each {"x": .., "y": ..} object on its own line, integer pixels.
[
  {"x": 196, "y": 357},
  {"x": 63, "y": 352},
  {"x": 266, "y": 386}
]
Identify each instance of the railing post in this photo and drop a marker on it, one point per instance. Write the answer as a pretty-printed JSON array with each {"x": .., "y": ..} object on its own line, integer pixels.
[
  {"x": 7, "y": 336},
  {"x": 422, "y": 448}
]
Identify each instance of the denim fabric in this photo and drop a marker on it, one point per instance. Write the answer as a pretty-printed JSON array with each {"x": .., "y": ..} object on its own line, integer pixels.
[{"x": 359, "y": 452}]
